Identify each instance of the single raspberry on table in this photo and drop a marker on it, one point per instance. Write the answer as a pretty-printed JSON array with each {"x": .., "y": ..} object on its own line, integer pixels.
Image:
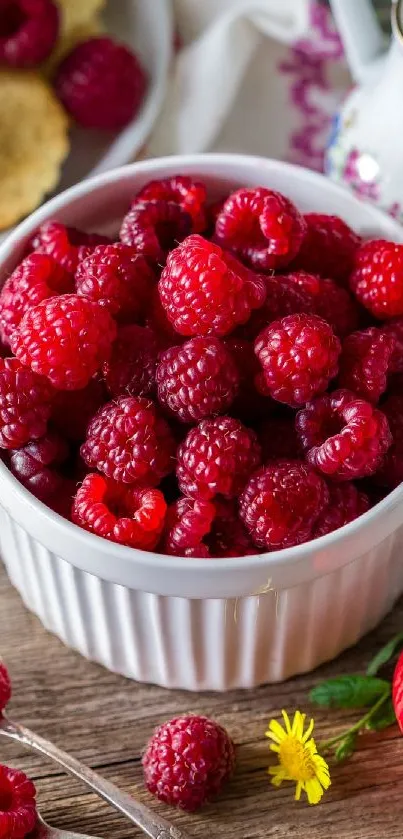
[
  {"x": 5, "y": 687},
  {"x": 154, "y": 227},
  {"x": 217, "y": 458},
  {"x": 66, "y": 245},
  {"x": 206, "y": 291},
  {"x": 28, "y": 31},
  {"x": 118, "y": 278},
  {"x": 65, "y": 338},
  {"x": 36, "y": 278},
  {"x": 364, "y": 363},
  {"x": 101, "y": 84},
  {"x": 377, "y": 278},
  {"x": 130, "y": 442},
  {"x": 25, "y": 404},
  {"x": 197, "y": 379},
  {"x": 346, "y": 503},
  {"x": 73, "y": 409},
  {"x": 328, "y": 248},
  {"x": 191, "y": 195},
  {"x": 278, "y": 437},
  {"x": 344, "y": 437},
  {"x": 187, "y": 761},
  {"x": 394, "y": 329},
  {"x": 390, "y": 473},
  {"x": 130, "y": 370},
  {"x": 132, "y": 516},
  {"x": 299, "y": 357},
  {"x": 18, "y": 813},
  {"x": 262, "y": 227},
  {"x": 35, "y": 465},
  {"x": 281, "y": 503},
  {"x": 188, "y": 521}
]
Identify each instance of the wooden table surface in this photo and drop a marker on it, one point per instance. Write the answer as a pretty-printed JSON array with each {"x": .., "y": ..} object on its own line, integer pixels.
[{"x": 105, "y": 721}]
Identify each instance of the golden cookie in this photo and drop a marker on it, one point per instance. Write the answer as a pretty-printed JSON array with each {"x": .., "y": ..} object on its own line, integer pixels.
[
  {"x": 77, "y": 13},
  {"x": 33, "y": 143},
  {"x": 68, "y": 41}
]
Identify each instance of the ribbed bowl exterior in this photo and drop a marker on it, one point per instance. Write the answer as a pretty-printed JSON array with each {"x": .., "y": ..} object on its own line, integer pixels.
[{"x": 204, "y": 644}]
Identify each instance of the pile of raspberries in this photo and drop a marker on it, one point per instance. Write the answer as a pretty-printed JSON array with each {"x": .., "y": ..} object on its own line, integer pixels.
[{"x": 222, "y": 380}]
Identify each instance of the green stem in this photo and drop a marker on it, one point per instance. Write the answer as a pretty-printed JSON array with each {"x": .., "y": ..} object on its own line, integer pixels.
[{"x": 358, "y": 725}]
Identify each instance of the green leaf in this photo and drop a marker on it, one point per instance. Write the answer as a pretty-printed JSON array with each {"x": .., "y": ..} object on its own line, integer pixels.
[
  {"x": 382, "y": 718},
  {"x": 349, "y": 691},
  {"x": 385, "y": 654},
  {"x": 346, "y": 747}
]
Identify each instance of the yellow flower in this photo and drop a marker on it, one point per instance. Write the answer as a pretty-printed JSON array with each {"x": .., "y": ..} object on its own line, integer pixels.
[{"x": 298, "y": 757}]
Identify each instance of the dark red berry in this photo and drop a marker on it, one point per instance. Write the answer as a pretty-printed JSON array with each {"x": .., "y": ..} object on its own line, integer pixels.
[
  {"x": 205, "y": 291},
  {"x": 299, "y": 356},
  {"x": 216, "y": 458},
  {"x": 101, "y": 84},
  {"x": 262, "y": 227},
  {"x": 364, "y": 363},
  {"x": 153, "y": 228},
  {"x": 35, "y": 465},
  {"x": 346, "y": 503},
  {"x": 128, "y": 515},
  {"x": 189, "y": 194},
  {"x": 128, "y": 441},
  {"x": 281, "y": 503},
  {"x": 188, "y": 521},
  {"x": 73, "y": 409},
  {"x": 28, "y": 31},
  {"x": 65, "y": 338},
  {"x": 5, "y": 687},
  {"x": 25, "y": 404},
  {"x": 66, "y": 245},
  {"x": 278, "y": 437},
  {"x": 394, "y": 329},
  {"x": 187, "y": 761},
  {"x": 18, "y": 814},
  {"x": 130, "y": 370},
  {"x": 390, "y": 474},
  {"x": 118, "y": 278},
  {"x": 328, "y": 248},
  {"x": 197, "y": 380},
  {"x": 343, "y": 436}
]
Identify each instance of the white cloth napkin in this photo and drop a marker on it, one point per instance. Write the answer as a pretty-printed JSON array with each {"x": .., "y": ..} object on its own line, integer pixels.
[{"x": 250, "y": 76}]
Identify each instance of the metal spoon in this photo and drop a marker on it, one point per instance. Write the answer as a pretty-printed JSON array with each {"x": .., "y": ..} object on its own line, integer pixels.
[
  {"x": 45, "y": 831},
  {"x": 150, "y": 823}
]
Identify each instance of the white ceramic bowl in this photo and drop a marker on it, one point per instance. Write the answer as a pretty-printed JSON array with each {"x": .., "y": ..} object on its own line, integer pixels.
[{"x": 200, "y": 624}]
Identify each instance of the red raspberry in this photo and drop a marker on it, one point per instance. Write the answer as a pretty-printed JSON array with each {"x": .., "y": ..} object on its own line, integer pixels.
[
  {"x": 248, "y": 405},
  {"x": 299, "y": 356},
  {"x": 394, "y": 329},
  {"x": 65, "y": 338},
  {"x": 228, "y": 536},
  {"x": 189, "y": 194},
  {"x": 188, "y": 521},
  {"x": 34, "y": 465},
  {"x": 35, "y": 279},
  {"x": 101, "y": 84},
  {"x": 157, "y": 320},
  {"x": 131, "y": 368},
  {"x": 131, "y": 516},
  {"x": 25, "y": 404},
  {"x": 129, "y": 441},
  {"x": 262, "y": 227},
  {"x": 344, "y": 436},
  {"x": 66, "y": 245},
  {"x": 391, "y": 471},
  {"x": 328, "y": 248},
  {"x": 377, "y": 279},
  {"x": 216, "y": 458},
  {"x": 153, "y": 228},
  {"x": 364, "y": 363},
  {"x": 18, "y": 814},
  {"x": 28, "y": 31},
  {"x": 73, "y": 409},
  {"x": 346, "y": 503},
  {"x": 197, "y": 379},
  {"x": 207, "y": 292},
  {"x": 187, "y": 761},
  {"x": 118, "y": 278},
  {"x": 281, "y": 503},
  {"x": 5, "y": 687},
  {"x": 278, "y": 438},
  {"x": 283, "y": 297}
]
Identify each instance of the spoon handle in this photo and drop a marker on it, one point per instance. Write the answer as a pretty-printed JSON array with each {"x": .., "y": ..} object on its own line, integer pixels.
[{"x": 151, "y": 824}]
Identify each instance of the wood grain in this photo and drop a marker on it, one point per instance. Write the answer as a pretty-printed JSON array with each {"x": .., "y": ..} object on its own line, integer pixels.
[{"x": 106, "y": 720}]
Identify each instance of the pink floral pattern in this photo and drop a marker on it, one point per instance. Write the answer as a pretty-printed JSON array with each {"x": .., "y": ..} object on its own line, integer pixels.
[{"x": 351, "y": 176}]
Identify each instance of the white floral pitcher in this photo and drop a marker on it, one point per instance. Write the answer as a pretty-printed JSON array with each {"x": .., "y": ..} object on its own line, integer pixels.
[{"x": 365, "y": 151}]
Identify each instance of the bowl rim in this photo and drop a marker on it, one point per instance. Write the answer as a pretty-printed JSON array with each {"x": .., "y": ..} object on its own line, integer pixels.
[{"x": 92, "y": 553}]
